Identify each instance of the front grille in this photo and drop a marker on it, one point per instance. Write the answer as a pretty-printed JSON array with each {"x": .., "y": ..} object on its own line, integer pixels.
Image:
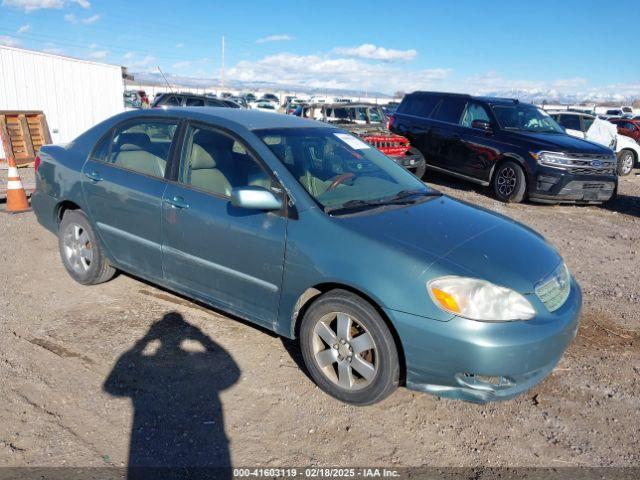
[
  {"x": 392, "y": 145},
  {"x": 592, "y": 171},
  {"x": 554, "y": 290},
  {"x": 582, "y": 164}
]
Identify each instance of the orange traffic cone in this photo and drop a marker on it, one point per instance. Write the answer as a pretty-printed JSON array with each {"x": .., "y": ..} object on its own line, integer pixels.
[{"x": 16, "y": 196}]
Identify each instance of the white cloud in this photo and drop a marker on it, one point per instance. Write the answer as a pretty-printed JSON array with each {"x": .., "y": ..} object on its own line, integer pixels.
[
  {"x": 570, "y": 82},
  {"x": 54, "y": 50},
  {"x": 31, "y": 5},
  {"x": 72, "y": 18},
  {"x": 275, "y": 38},
  {"x": 133, "y": 62},
  {"x": 9, "y": 41},
  {"x": 91, "y": 19},
  {"x": 372, "y": 52},
  {"x": 492, "y": 82},
  {"x": 98, "y": 54},
  {"x": 316, "y": 71},
  {"x": 181, "y": 65},
  {"x": 179, "y": 45},
  {"x": 24, "y": 29},
  {"x": 93, "y": 46}
]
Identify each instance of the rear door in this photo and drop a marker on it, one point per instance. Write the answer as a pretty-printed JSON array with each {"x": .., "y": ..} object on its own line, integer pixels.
[
  {"x": 228, "y": 256},
  {"x": 123, "y": 183},
  {"x": 443, "y": 147},
  {"x": 411, "y": 120}
]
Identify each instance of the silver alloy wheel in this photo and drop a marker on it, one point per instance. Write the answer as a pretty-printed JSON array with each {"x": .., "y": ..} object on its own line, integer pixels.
[
  {"x": 506, "y": 181},
  {"x": 345, "y": 351},
  {"x": 77, "y": 248},
  {"x": 627, "y": 163}
]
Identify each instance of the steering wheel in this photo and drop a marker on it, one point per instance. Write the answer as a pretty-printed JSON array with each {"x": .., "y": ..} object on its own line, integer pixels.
[{"x": 340, "y": 179}]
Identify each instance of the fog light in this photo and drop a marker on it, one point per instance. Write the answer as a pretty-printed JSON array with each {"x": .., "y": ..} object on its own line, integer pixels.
[{"x": 546, "y": 182}]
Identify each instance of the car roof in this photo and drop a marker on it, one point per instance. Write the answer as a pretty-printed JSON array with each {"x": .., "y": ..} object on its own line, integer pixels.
[
  {"x": 250, "y": 119},
  {"x": 491, "y": 100}
]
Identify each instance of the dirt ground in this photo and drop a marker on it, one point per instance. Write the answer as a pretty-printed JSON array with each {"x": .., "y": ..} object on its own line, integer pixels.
[{"x": 82, "y": 370}]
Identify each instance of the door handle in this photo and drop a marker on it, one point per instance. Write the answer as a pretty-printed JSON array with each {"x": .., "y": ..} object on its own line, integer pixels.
[
  {"x": 93, "y": 176},
  {"x": 456, "y": 136},
  {"x": 177, "y": 202}
]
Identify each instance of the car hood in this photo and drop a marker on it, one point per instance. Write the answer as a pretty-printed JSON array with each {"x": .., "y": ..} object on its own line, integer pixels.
[
  {"x": 448, "y": 237},
  {"x": 560, "y": 142}
]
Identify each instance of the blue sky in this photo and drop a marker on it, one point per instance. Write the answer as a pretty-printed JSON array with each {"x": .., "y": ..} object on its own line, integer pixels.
[{"x": 567, "y": 45}]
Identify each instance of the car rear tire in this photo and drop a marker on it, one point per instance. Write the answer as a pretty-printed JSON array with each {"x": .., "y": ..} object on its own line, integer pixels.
[
  {"x": 626, "y": 162},
  {"x": 509, "y": 182},
  {"x": 80, "y": 250},
  {"x": 348, "y": 349}
]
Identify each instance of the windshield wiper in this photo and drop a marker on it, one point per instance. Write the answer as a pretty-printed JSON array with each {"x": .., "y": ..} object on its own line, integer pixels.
[{"x": 400, "y": 198}]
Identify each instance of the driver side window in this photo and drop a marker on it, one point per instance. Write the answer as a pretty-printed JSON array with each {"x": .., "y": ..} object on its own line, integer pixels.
[
  {"x": 217, "y": 163},
  {"x": 474, "y": 111}
]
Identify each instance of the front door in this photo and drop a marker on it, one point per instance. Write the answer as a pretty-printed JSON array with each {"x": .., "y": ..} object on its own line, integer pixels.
[
  {"x": 227, "y": 256},
  {"x": 478, "y": 151},
  {"x": 123, "y": 183}
]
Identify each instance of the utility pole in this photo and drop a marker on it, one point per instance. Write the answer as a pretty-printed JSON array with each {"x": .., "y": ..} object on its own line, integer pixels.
[{"x": 222, "y": 66}]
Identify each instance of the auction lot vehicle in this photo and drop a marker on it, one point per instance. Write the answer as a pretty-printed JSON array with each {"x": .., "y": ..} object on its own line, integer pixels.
[
  {"x": 628, "y": 128},
  {"x": 186, "y": 100},
  {"x": 516, "y": 148},
  {"x": 368, "y": 121},
  {"x": 308, "y": 231},
  {"x": 578, "y": 125}
]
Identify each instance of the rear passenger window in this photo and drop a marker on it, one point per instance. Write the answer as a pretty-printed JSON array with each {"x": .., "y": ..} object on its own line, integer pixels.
[
  {"x": 217, "y": 163},
  {"x": 143, "y": 146},
  {"x": 172, "y": 101},
  {"x": 101, "y": 150},
  {"x": 474, "y": 111},
  {"x": 195, "y": 102},
  {"x": 450, "y": 109},
  {"x": 572, "y": 122}
]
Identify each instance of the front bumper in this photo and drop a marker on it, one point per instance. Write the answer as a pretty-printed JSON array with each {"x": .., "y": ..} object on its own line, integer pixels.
[
  {"x": 483, "y": 361},
  {"x": 410, "y": 162},
  {"x": 553, "y": 185}
]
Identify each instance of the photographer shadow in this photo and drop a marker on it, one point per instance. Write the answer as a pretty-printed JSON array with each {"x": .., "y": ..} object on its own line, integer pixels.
[{"x": 174, "y": 375}]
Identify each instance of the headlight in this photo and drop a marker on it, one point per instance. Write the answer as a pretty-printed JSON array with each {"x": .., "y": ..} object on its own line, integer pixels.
[
  {"x": 479, "y": 300},
  {"x": 552, "y": 159}
]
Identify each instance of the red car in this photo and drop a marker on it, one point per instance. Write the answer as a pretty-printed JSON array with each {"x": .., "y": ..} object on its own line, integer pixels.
[{"x": 627, "y": 127}]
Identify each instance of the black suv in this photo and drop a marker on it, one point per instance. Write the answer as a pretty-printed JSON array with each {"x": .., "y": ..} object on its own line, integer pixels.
[
  {"x": 515, "y": 147},
  {"x": 187, "y": 100}
]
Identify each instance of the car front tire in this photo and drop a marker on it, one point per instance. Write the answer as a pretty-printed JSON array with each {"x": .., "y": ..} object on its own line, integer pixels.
[
  {"x": 509, "y": 182},
  {"x": 348, "y": 349},
  {"x": 80, "y": 250},
  {"x": 626, "y": 161}
]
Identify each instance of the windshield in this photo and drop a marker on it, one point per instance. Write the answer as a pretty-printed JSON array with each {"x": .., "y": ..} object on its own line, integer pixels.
[
  {"x": 526, "y": 118},
  {"x": 338, "y": 169}
]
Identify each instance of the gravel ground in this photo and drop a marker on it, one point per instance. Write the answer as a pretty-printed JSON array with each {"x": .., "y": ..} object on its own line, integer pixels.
[{"x": 84, "y": 376}]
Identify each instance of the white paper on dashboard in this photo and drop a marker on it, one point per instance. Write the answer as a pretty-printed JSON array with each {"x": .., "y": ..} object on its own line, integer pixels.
[{"x": 352, "y": 141}]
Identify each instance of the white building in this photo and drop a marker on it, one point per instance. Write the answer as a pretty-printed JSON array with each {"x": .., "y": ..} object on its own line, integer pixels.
[{"x": 73, "y": 94}]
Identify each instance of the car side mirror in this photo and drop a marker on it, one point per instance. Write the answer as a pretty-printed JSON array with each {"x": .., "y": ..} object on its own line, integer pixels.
[
  {"x": 255, "y": 198},
  {"x": 482, "y": 125}
]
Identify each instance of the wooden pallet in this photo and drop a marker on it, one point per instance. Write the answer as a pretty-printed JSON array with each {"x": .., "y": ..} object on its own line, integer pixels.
[{"x": 23, "y": 133}]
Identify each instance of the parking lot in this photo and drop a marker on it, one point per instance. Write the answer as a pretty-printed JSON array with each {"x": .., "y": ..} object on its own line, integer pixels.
[{"x": 78, "y": 375}]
